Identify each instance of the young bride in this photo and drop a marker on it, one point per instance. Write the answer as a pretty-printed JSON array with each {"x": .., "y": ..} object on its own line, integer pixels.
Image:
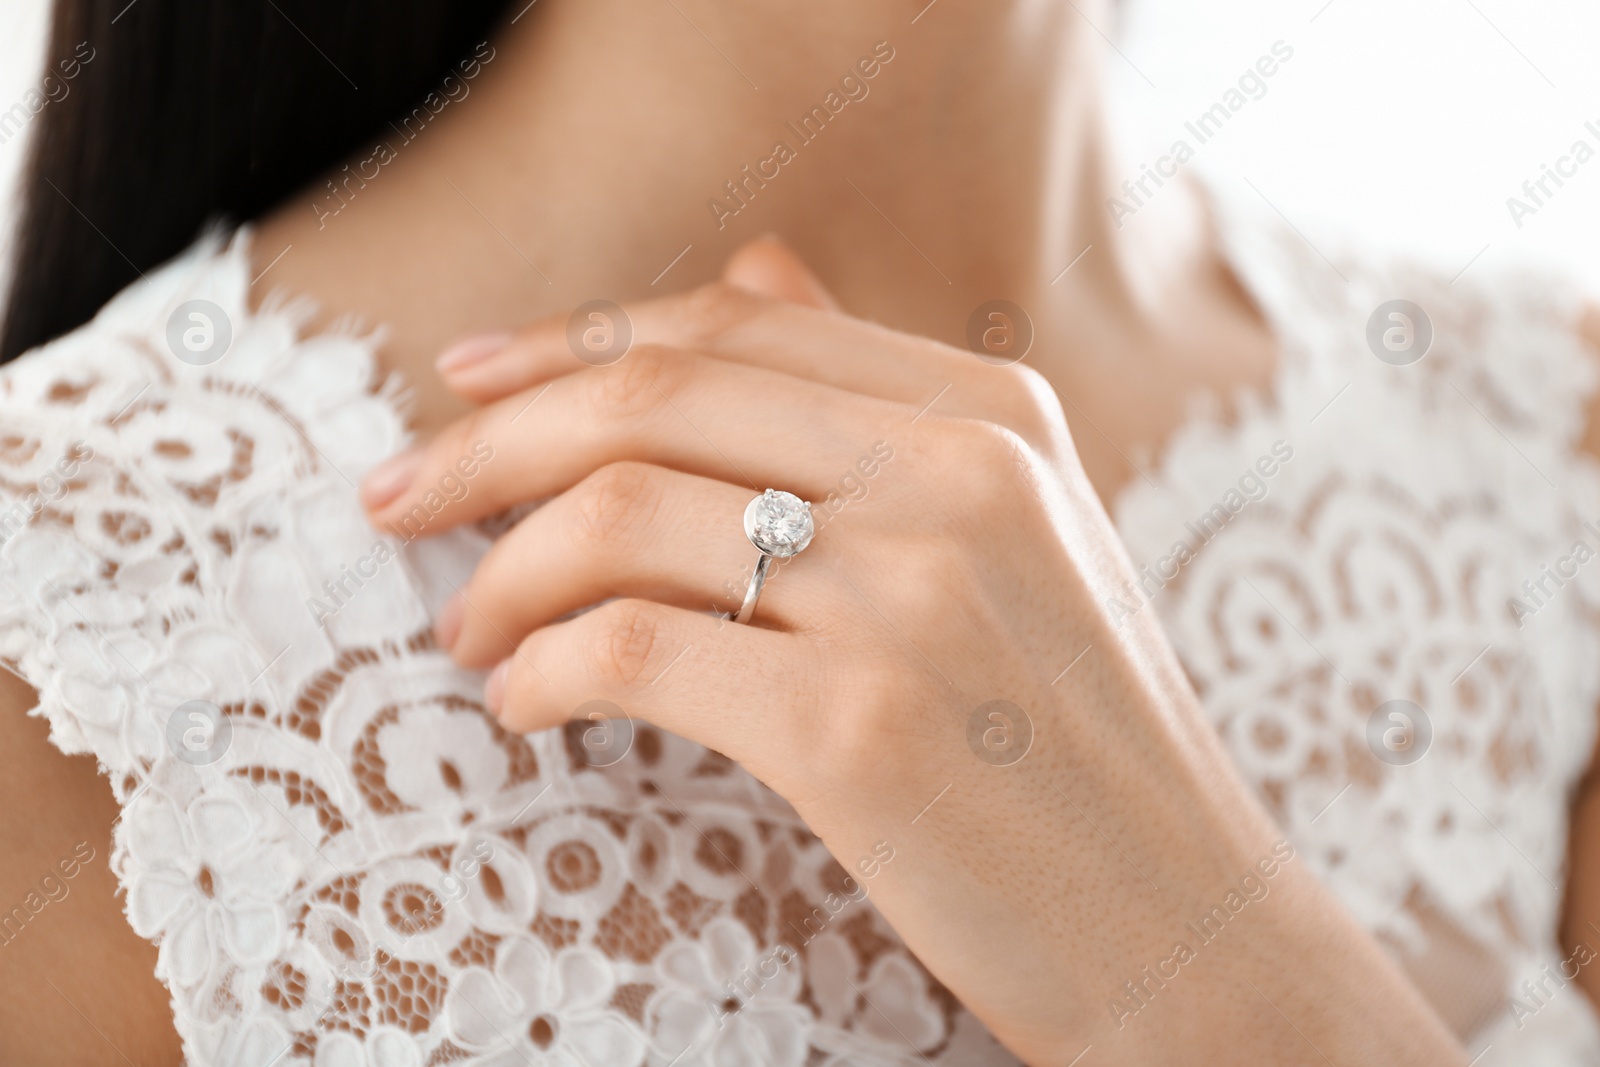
[{"x": 1186, "y": 654}]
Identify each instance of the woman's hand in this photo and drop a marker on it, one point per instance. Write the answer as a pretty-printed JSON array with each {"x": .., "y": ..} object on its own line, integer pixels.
[{"x": 937, "y": 671}]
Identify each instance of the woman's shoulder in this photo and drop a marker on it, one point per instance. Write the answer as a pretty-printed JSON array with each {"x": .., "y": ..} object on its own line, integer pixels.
[
  {"x": 1400, "y": 522},
  {"x": 189, "y": 442},
  {"x": 1589, "y": 334},
  {"x": 1394, "y": 370},
  {"x": 62, "y": 919},
  {"x": 147, "y": 455},
  {"x": 1515, "y": 338},
  {"x": 198, "y": 346},
  {"x": 74, "y": 504}
]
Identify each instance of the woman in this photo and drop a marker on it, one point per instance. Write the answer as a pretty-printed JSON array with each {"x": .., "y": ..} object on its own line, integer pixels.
[{"x": 942, "y": 789}]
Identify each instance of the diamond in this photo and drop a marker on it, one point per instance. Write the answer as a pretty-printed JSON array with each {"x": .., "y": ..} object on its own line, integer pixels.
[{"x": 778, "y": 523}]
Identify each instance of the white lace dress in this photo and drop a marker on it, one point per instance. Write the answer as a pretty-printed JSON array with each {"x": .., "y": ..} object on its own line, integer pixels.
[{"x": 360, "y": 868}]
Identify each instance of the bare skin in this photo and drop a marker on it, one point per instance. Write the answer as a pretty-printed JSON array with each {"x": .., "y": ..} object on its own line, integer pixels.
[
  {"x": 573, "y": 172},
  {"x": 77, "y": 985},
  {"x": 595, "y": 166},
  {"x": 1012, "y": 901}
]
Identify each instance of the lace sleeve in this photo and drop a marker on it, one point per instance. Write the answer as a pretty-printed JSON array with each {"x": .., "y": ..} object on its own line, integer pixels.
[
  {"x": 123, "y": 483},
  {"x": 1374, "y": 551}
]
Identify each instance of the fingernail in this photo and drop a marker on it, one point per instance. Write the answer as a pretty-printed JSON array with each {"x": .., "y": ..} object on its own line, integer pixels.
[
  {"x": 390, "y": 479},
  {"x": 494, "y": 690},
  {"x": 472, "y": 350},
  {"x": 447, "y": 627}
]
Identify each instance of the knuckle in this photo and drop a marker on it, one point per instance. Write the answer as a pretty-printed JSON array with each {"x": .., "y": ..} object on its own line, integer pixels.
[
  {"x": 614, "y": 503},
  {"x": 624, "y": 642},
  {"x": 713, "y": 309},
  {"x": 1030, "y": 400},
  {"x": 999, "y": 451},
  {"x": 1022, "y": 400},
  {"x": 474, "y": 427},
  {"x": 983, "y": 448},
  {"x": 994, "y": 469},
  {"x": 643, "y": 382}
]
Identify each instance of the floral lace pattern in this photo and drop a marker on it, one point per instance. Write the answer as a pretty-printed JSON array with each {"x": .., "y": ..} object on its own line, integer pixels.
[
  {"x": 1381, "y": 562},
  {"x": 369, "y": 870},
  {"x": 358, "y": 865}
]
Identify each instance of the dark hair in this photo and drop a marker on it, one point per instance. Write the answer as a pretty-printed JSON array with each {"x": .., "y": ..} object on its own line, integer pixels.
[{"x": 176, "y": 113}]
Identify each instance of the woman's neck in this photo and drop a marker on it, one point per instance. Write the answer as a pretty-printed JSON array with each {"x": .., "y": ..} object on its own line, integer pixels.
[{"x": 924, "y": 160}]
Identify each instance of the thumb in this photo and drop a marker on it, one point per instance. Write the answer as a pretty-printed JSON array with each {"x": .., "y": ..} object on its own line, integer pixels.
[{"x": 769, "y": 267}]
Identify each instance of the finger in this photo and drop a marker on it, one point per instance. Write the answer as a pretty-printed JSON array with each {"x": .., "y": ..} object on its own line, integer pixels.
[
  {"x": 675, "y": 409},
  {"x": 737, "y": 325},
  {"x": 768, "y": 267},
  {"x": 628, "y": 530},
  {"x": 681, "y": 670}
]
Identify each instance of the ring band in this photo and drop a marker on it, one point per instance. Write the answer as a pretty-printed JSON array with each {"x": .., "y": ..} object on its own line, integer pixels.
[
  {"x": 779, "y": 525},
  {"x": 753, "y": 592}
]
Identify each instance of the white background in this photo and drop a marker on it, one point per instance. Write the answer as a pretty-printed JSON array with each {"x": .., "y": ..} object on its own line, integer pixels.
[
  {"x": 1408, "y": 122},
  {"x": 22, "y": 37}
]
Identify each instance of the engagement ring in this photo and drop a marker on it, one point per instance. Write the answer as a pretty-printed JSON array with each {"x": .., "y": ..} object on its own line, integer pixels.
[{"x": 779, "y": 525}]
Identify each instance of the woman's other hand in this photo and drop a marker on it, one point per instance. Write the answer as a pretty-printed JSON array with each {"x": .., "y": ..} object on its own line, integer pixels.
[{"x": 938, "y": 674}]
